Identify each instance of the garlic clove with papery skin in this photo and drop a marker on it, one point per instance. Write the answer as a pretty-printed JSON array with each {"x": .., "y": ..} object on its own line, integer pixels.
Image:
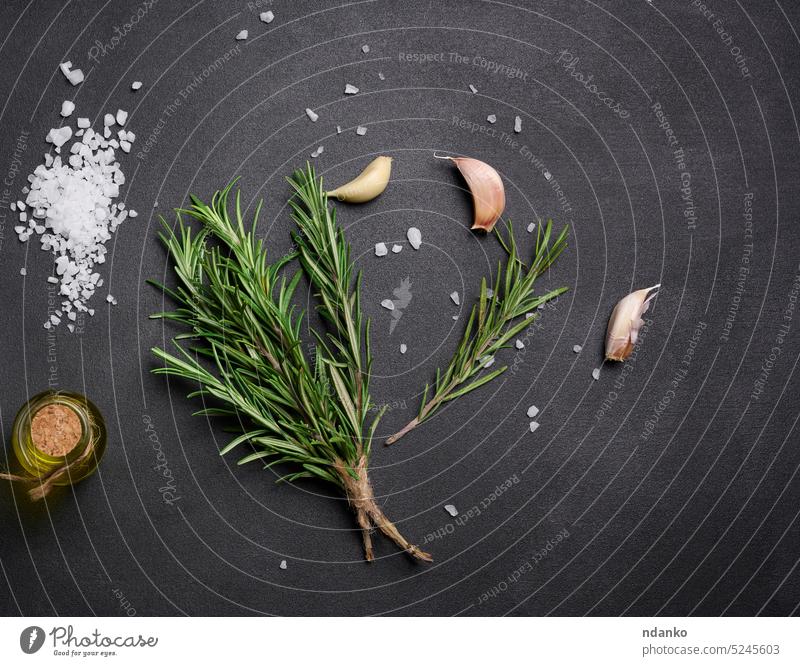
[
  {"x": 625, "y": 323},
  {"x": 486, "y": 186}
]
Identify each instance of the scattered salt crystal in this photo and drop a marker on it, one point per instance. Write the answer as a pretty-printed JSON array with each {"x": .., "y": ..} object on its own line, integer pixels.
[
  {"x": 338, "y": 129},
  {"x": 397, "y": 248},
  {"x": 109, "y": 120},
  {"x": 136, "y": 85},
  {"x": 533, "y": 410},
  {"x": 318, "y": 151},
  {"x": 13, "y": 205},
  {"x": 491, "y": 118},
  {"x": 283, "y": 564},
  {"x": 455, "y": 317},
  {"x": 83, "y": 123},
  {"x": 122, "y": 117},
  {"x": 242, "y": 35},
  {"x": 531, "y": 227},
  {"x": 111, "y": 299},
  {"x": 403, "y": 348},
  {"x": 365, "y": 48},
  {"x": 577, "y": 349},
  {"x": 381, "y": 76},
  {"x": 59, "y": 136},
  {"x": 455, "y": 298},
  {"x": 312, "y": 116},
  {"x": 487, "y": 361},
  {"x": 489, "y": 293},
  {"x": 596, "y": 374},
  {"x": 517, "y": 124},
  {"x": 533, "y": 426},
  {"x": 547, "y": 175},
  {"x": 23, "y": 271},
  {"x": 380, "y": 250},
  {"x": 519, "y": 344},
  {"x": 52, "y": 279},
  {"x": 451, "y": 510},
  {"x": 125, "y": 146},
  {"x": 361, "y": 130},
  {"x": 67, "y": 108},
  {"x": 414, "y": 236},
  {"x": 266, "y": 17},
  {"x": 350, "y": 89},
  {"x": 387, "y": 303},
  {"x": 74, "y": 76},
  {"x": 473, "y": 89},
  {"x": 528, "y": 315}
]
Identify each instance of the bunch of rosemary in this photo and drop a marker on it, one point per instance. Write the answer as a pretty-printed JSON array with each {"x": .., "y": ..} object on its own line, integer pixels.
[
  {"x": 493, "y": 322},
  {"x": 246, "y": 355}
]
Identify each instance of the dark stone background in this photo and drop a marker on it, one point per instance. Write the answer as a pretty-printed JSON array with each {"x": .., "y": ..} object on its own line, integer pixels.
[{"x": 701, "y": 518}]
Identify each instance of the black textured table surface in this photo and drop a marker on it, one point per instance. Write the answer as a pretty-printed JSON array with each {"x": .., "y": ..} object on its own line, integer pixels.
[{"x": 664, "y": 133}]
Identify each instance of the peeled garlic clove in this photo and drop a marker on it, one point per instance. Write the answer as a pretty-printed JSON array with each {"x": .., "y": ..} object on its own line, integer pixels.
[
  {"x": 368, "y": 184},
  {"x": 486, "y": 186},
  {"x": 625, "y": 322}
]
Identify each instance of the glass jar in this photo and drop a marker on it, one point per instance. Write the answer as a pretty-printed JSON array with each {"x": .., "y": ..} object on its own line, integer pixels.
[{"x": 81, "y": 461}]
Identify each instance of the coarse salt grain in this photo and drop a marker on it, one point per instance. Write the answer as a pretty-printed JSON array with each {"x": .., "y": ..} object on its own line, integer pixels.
[
  {"x": 455, "y": 298},
  {"x": 492, "y": 118},
  {"x": 414, "y": 236},
  {"x": 266, "y": 17},
  {"x": 350, "y": 89},
  {"x": 387, "y": 303},
  {"x": 533, "y": 426},
  {"x": 596, "y": 374},
  {"x": 473, "y": 89},
  {"x": 397, "y": 248},
  {"x": 533, "y": 410},
  {"x": 365, "y": 48},
  {"x": 136, "y": 85},
  {"x": 242, "y": 35},
  {"x": 380, "y": 250},
  {"x": 74, "y": 76},
  {"x": 67, "y": 108},
  {"x": 451, "y": 510},
  {"x": 403, "y": 348},
  {"x": 313, "y": 117},
  {"x": 361, "y": 130},
  {"x": 318, "y": 151},
  {"x": 519, "y": 344},
  {"x": 517, "y": 124},
  {"x": 577, "y": 349}
]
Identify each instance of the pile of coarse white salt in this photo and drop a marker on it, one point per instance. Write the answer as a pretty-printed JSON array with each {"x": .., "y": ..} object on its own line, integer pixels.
[{"x": 70, "y": 205}]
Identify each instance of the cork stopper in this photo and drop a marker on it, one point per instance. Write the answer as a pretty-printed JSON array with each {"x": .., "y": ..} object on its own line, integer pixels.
[{"x": 56, "y": 430}]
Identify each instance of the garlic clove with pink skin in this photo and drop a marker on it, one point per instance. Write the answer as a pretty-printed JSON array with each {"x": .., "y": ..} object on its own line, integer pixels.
[
  {"x": 625, "y": 322},
  {"x": 486, "y": 186}
]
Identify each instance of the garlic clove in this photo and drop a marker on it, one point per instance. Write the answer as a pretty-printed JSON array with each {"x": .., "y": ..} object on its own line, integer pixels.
[
  {"x": 368, "y": 184},
  {"x": 486, "y": 186},
  {"x": 625, "y": 323}
]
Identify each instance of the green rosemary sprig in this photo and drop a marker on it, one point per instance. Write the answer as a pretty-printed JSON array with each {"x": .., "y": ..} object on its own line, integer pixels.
[
  {"x": 493, "y": 322},
  {"x": 246, "y": 354}
]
